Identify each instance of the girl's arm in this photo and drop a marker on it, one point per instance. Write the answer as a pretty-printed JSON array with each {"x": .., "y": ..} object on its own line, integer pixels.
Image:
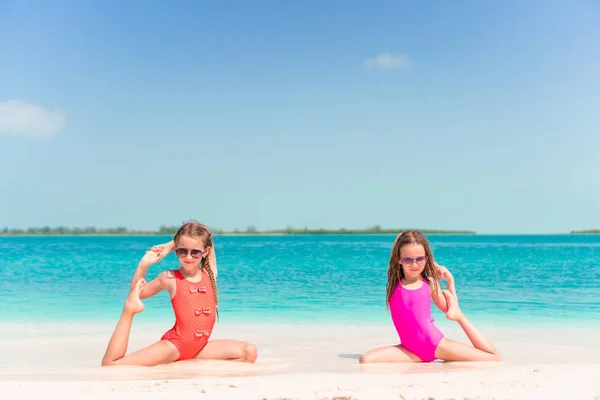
[
  {"x": 450, "y": 286},
  {"x": 437, "y": 296},
  {"x": 154, "y": 286},
  {"x": 439, "y": 299},
  {"x": 445, "y": 274}
]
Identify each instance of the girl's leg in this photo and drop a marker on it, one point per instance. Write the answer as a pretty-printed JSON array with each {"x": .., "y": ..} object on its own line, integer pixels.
[
  {"x": 388, "y": 354},
  {"x": 450, "y": 350},
  {"x": 233, "y": 350},
  {"x": 159, "y": 353}
]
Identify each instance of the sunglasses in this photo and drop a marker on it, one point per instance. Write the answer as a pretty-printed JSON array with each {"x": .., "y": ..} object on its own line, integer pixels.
[
  {"x": 409, "y": 261},
  {"x": 195, "y": 253}
]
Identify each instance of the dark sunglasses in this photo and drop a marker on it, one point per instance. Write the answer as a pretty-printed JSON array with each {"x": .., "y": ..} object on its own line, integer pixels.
[
  {"x": 196, "y": 253},
  {"x": 409, "y": 261}
]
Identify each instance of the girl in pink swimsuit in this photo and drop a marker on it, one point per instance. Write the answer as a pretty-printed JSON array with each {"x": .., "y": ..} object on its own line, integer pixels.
[
  {"x": 413, "y": 282},
  {"x": 193, "y": 292}
]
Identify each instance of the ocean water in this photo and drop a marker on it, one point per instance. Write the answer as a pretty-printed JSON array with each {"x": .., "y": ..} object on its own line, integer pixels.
[{"x": 316, "y": 279}]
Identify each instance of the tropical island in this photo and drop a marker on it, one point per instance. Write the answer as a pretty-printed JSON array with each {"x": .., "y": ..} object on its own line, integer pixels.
[
  {"x": 587, "y": 231},
  {"x": 170, "y": 230}
]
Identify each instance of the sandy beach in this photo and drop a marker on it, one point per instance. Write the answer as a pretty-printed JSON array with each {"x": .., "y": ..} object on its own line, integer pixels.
[
  {"x": 301, "y": 362},
  {"x": 518, "y": 382}
]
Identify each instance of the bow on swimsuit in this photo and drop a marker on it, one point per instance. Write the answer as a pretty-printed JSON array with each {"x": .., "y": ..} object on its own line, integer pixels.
[
  {"x": 194, "y": 308},
  {"x": 411, "y": 314}
]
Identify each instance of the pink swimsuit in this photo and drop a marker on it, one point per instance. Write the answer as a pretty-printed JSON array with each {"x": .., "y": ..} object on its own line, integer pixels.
[{"x": 411, "y": 314}]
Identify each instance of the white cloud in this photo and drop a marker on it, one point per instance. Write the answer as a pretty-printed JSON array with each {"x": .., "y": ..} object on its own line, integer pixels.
[
  {"x": 388, "y": 61},
  {"x": 25, "y": 119}
]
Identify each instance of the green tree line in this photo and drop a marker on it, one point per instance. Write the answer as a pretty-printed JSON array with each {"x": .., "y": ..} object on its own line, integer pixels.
[{"x": 170, "y": 230}]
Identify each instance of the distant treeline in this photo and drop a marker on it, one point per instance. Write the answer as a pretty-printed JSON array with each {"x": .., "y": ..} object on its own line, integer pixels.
[
  {"x": 375, "y": 229},
  {"x": 587, "y": 231},
  {"x": 63, "y": 230},
  {"x": 170, "y": 230}
]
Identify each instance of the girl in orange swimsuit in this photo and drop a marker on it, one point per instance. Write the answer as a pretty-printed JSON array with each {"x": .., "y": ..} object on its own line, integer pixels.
[{"x": 193, "y": 292}]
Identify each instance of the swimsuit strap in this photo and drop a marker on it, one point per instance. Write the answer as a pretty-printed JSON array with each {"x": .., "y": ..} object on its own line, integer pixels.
[
  {"x": 181, "y": 278},
  {"x": 178, "y": 274}
]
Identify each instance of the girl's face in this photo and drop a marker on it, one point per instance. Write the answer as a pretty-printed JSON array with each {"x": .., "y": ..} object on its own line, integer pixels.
[
  {"x": 413, "y": 260},
  {"x": 190, "y": 251}
]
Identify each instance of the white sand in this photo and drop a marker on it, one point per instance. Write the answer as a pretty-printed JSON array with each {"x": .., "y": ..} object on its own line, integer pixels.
[
  {"x": 300, "y": 362},
  {"x": 517, "y": 382}
]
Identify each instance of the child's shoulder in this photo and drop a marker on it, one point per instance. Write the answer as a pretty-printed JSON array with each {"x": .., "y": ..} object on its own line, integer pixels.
[{"x": 168, "y": 274}]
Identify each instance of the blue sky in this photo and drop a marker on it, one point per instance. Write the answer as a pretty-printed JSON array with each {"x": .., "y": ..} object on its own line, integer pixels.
[{"x": 450, "y": 115}]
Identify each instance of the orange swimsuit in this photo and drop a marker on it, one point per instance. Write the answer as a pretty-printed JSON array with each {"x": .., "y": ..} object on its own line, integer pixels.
[{"x": 195, "y": 315}]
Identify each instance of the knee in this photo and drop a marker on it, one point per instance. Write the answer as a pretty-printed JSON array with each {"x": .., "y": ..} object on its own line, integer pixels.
[
  {"x": 365, "y": 359},
  {"x": 250, "y": 353},
  {"x": 107, "y": 363}
]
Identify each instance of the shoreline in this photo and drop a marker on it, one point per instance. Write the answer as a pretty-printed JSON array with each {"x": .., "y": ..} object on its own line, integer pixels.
[{"x": 166, "y": 317}]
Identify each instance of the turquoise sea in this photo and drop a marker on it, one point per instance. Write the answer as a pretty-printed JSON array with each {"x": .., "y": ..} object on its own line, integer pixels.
[{"x": 304, "y": 279}]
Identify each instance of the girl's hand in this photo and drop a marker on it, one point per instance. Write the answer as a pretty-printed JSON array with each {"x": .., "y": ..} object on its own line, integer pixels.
[
  {"x": 444, "y": 273},
  {"x": 163, "y": 249},
  {"x": 151, "y": 257}
]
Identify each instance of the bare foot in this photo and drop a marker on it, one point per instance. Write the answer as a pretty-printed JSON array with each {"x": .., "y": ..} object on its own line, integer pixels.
[
  {"x": 133, "y": 302},
  {"x": 454, "y": 312}
]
